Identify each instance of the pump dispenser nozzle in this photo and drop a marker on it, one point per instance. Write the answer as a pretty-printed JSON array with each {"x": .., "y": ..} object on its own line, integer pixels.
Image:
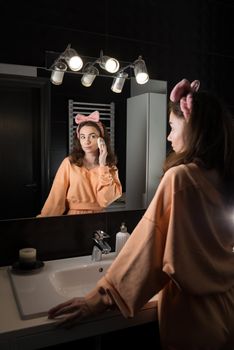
[{"x": 123, "y": 227}]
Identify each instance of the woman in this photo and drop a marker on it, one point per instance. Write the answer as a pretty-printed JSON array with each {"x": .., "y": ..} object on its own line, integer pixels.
[
  {"x": 183, "y": 246},
  {"x": 87, "y": 181}
]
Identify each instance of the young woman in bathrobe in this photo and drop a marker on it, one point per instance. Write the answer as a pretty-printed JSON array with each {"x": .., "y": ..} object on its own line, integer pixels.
[
  {"x": 87, "y": 181},
  {"x": 183, "y": 247}
]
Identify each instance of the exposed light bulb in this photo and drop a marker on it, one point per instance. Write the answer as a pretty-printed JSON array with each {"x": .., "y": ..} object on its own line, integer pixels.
[
  {"x": 87, "y": 80},
  {"x": 142, "y": 78},
  {"x": 112, "y": 65},
  {"x": 73, "y": 60},
  {"x": 58, "y": 73},
  {"x": 75, "y": 63},
  {"x": 140, "y": 71},
  {"x": 118, "y": 82},
  {"x": 90, "y": 74}
]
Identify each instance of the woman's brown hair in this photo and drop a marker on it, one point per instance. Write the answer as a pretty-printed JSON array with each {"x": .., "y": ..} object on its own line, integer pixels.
[{"x": 209, "y": 137}]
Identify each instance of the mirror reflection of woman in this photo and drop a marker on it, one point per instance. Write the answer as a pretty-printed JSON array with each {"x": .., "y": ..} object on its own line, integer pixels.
[{"x": 87, "y": 180}]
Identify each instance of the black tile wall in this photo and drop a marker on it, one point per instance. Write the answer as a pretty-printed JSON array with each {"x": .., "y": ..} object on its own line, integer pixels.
[{"x": 62, "y": 236}]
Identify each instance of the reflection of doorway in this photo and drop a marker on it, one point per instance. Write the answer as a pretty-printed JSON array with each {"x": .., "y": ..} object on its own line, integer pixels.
[{"x": 24, "y": 134}]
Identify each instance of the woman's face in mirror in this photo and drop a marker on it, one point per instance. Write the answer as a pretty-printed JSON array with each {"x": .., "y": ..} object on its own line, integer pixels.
[{"x": 88, "y": 136}]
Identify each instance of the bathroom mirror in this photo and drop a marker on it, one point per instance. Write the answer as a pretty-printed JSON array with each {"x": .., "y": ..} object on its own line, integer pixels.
[
  {"x": 24, "y": 149},
  {"x": 22, "y": 152}
]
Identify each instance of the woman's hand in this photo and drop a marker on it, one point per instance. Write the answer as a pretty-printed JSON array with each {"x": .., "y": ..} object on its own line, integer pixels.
[
  {"x": 102, "y": 151},
  {"x": 70, "y": 313}
]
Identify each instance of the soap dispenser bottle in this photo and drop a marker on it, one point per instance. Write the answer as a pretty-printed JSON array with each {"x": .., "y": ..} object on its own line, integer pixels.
[{"x": 121, "y": 238}]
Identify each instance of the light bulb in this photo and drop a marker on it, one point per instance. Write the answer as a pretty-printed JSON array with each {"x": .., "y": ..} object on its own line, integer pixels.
[
  {"x": 75, "y": 63},
  {"x": 58, "y": 73},
  {"x": 73, "y": 59},
  {"x": 140, "y": 71},
  {"x": 90, "y": 73},
  {"x": 112, "y": 65},
  {"x": 118, "y": 82},
  {"x": 142, "y": 78}
]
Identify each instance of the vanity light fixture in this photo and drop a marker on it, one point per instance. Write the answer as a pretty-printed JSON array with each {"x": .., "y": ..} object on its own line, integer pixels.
[
  {"x": 57, "y": 74},
  {"x": 72, "y": 58},
  {"x": 90, "y": 73},
  {"x": 69, "y": 60},
  {"x": 140, "y": 72},
  {"x": 110, "y": 64},
  {"x": 73, "y": 61},
  {"x": 119, "y": 81},
  {"x": 107, "y": 63}
]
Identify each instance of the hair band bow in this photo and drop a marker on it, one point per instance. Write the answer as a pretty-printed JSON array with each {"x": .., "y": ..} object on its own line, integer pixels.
[
  {"x": 93, "y": 117},
  {"x": 183, "y": 92}
]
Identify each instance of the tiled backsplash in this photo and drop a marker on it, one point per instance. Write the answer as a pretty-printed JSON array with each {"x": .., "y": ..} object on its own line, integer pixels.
[{"x": 62, "y": 236}]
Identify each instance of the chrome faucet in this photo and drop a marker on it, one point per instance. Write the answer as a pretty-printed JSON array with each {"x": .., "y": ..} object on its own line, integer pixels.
[{"x": 102, "y": 247}]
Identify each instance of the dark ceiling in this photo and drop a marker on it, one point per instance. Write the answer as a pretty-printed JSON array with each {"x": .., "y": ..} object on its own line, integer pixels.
[{"x": 176, "y": 38}]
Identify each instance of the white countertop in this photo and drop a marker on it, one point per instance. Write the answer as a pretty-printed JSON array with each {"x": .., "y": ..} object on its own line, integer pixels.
[{"x": 28, "y": 333}]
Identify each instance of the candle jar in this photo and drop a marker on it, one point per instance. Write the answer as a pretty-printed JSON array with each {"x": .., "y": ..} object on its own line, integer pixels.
[{"x": 27, "y": 257}]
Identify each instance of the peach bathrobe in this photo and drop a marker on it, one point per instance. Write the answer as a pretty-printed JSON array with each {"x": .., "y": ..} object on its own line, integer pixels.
[
  {"x": 77, "y": 190},
  {"x": 182, "y": 249}
]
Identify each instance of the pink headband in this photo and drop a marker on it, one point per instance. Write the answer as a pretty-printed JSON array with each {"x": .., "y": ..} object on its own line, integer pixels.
[
  {"x": 183, "y": 92},
  {"x": 93, "y": 117}
]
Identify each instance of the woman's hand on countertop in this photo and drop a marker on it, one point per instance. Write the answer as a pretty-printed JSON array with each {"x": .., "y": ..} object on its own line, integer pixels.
[{"x": 70, "y": 312}]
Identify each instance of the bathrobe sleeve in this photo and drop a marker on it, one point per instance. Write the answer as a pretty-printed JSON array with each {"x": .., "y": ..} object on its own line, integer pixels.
[
  {"x": 137, "y": 274},
  {"x": 56, "y": 202},
  {"x": 185, "y": 237},
  {"x": 108, "y": 187}
]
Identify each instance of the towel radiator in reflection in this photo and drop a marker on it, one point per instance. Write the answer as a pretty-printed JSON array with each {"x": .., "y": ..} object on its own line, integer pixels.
[{"x": 107, "y": 117}]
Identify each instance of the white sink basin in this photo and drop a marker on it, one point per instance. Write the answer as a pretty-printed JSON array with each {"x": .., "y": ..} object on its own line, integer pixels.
[
  {"x": 79, "y": 280},
  {"x": 56, "y": 282}
]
